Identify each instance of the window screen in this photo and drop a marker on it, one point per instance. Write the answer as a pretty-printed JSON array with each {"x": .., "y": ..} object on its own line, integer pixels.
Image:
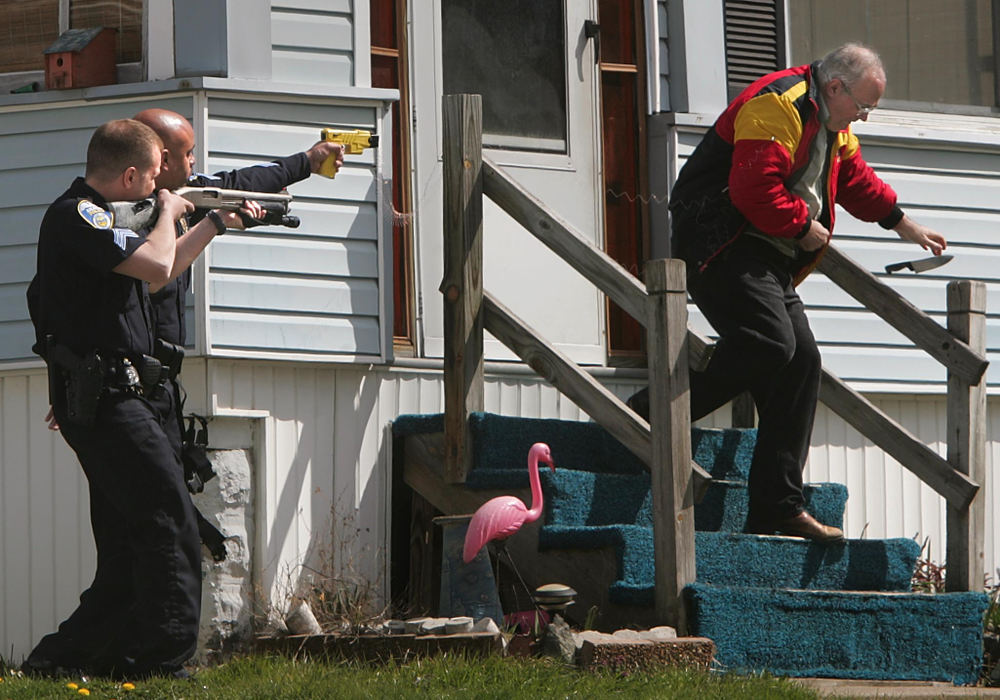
[
  {"x": 513, "y": 54},
  {"x": 934, "y": 51}
]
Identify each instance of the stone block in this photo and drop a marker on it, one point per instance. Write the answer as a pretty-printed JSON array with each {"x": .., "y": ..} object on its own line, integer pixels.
[{"x": 623, "y": 655}]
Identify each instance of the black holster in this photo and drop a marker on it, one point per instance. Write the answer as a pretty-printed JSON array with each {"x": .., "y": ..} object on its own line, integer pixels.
[
  {"x": 197, "y": 471},
  {"x": 194, "y": 455},
  {"x": 79, "y": 381},
  {"x": 171, "y": 356}
]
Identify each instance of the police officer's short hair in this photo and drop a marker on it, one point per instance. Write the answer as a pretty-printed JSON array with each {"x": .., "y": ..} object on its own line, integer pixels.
[
  {"x": 121, "y": 144},
  {"x": 850, "y": 63}
]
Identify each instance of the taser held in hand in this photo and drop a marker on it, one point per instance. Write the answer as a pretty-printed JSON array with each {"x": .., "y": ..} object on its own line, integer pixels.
[{"x": 354, "y": 141}]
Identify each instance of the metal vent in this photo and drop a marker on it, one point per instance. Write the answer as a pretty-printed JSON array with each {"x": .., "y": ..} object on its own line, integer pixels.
[{"x": 755, "y": 42}]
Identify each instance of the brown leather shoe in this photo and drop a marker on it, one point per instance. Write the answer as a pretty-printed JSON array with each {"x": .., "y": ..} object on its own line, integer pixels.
[{"x": 805, "y": 525}]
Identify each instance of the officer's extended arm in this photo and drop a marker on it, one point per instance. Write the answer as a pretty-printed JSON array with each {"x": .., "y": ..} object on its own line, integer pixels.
[
  {"x": 153, "y": 261},
  {"x": 190, "y": 245}
]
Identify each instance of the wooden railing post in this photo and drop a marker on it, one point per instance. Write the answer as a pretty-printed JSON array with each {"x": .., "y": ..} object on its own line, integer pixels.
[
  {"x": 670, "y": 422},
  {"x": 462, "y": 285},
  {"x": 966, "y": 565}
]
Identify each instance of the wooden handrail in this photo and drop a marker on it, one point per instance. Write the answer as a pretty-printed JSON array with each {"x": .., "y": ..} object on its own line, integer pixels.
[
  {"x": 579, "y": 386},
  {"x": 899, "y": 313},
  {"x": 599, "y": 268},
  {"x": 961, "y": 349},
  {"x": 931, "y": 468}
]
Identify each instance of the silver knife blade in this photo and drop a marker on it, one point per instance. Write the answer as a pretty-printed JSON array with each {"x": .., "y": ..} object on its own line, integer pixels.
[{"x": 921, "y": 265}]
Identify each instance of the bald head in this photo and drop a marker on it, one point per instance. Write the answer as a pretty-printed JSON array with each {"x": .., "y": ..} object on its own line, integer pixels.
[{"x": 178, "y": 145}]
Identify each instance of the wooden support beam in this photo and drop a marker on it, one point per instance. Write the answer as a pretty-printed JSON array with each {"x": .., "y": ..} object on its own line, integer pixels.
[
  {"x": 424, "y": 455},
  {"x": 462, "y": 285},
  {"x": 967, "y": 442},
  {"x": 670, "y": 419},
  {"x": 957, "y": 488},
  {"x": 906, "y": 318}
]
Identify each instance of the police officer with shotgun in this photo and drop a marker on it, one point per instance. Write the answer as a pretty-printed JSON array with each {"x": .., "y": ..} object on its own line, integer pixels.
[{"x": 89, "y": 303}]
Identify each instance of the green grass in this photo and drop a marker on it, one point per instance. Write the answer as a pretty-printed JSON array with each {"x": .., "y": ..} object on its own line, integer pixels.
[{"x": 440, "y": 677}]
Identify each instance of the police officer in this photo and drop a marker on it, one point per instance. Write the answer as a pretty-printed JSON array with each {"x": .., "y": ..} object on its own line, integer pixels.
[
  {"x": 169, "y": 300},
  {"x": 178, "y": 170},
  {"x": 90, "y": 306}
]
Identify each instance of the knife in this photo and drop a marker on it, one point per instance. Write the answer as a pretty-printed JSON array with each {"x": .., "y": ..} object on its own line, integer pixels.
[{"x": 921, "y": 265}]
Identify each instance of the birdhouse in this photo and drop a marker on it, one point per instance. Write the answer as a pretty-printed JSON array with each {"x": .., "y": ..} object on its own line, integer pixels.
[{"x": 81, "y": 58}]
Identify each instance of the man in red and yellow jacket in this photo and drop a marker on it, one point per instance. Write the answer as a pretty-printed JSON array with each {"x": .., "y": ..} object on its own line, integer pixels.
[{"x": 752, "y": 211}]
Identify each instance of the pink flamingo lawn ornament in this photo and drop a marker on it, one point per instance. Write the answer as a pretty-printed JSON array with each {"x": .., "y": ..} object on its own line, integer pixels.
[{"x": 501, "y": 517}]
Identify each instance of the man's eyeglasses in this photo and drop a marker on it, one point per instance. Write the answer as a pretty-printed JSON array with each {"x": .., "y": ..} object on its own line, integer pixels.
[{"x": 863, "y": 109}]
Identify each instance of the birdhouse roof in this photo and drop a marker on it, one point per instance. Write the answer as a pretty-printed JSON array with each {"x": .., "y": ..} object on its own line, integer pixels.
[{"x": 74, "y": 40}]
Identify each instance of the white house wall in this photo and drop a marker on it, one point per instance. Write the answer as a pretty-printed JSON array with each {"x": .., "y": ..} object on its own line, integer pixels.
[
  {"x": 313, "y": 41},
  {"x": 322, "y": 475},
  {"x": 272, "y": 291},
  {"x": 943, "y": 182},
  {"x": 313, "y": 290},
  {"x": 44, "y": 148}
]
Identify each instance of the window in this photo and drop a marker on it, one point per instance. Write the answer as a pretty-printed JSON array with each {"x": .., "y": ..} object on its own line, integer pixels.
[
  {"x": 934, "y": 51},
  {"x": 513, "y": 54},
  {"x": 28, "y": 27},
  {"x": 389, "y": 70},
  {"x": 123, "y": 15}
]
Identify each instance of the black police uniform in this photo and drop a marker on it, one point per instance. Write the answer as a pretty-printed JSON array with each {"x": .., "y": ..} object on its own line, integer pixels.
[
  {"x": 169, "y": 301},
  {"x": 141, "y": 613}
]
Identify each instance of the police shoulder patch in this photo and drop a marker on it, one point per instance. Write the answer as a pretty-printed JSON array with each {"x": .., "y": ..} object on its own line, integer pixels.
[{"x": 94, "y": 215}]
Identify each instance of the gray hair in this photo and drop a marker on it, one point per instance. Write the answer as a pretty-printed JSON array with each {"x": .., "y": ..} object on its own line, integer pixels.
[{"x": 849, "y": 63}]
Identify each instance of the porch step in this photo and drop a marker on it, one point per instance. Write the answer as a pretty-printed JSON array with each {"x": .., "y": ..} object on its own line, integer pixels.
[
  {"x": 726, "y": 559},
  {"x": 777, "y": 604},
  {"x": 842, "y": 634},
  {"x": 587, "y": 498}
]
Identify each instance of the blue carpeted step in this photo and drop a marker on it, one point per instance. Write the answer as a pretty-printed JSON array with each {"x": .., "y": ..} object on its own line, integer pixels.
[
  {"x": 747, "y": 560},
  {"x": 725, "y": 453},
  {"x": 502, "y": 442},
  {"x": 837, "y": 634},
  {"x": 724, "y": 507},
  {"x": 418, "y": 424},
  {"x": 791, "y": 562},
  {"x": 587, "y": 498}
]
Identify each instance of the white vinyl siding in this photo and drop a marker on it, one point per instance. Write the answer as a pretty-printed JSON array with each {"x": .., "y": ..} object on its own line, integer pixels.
[
  {"x": 44, "y": 148},
  {"x": 322, "y": 480},
  {"x": 941, "y": 184},
  {"x": 313, "y": 290},
  {"x": 313, "y": 42}
]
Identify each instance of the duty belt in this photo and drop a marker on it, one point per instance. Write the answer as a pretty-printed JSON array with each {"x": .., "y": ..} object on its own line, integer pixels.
[{"x": 144, "y": 371}]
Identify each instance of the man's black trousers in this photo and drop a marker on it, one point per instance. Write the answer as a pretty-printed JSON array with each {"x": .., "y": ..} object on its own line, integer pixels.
[
  {"x": 767, "y": 348},
  {"x": 141, "y": 613}
]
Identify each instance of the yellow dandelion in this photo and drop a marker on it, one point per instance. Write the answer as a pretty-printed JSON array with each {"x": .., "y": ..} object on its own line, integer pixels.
[
  {"x": 72, "y": 686},
  {"x": 128, "y": 686},
  {"x": 83, "y": 691}
]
